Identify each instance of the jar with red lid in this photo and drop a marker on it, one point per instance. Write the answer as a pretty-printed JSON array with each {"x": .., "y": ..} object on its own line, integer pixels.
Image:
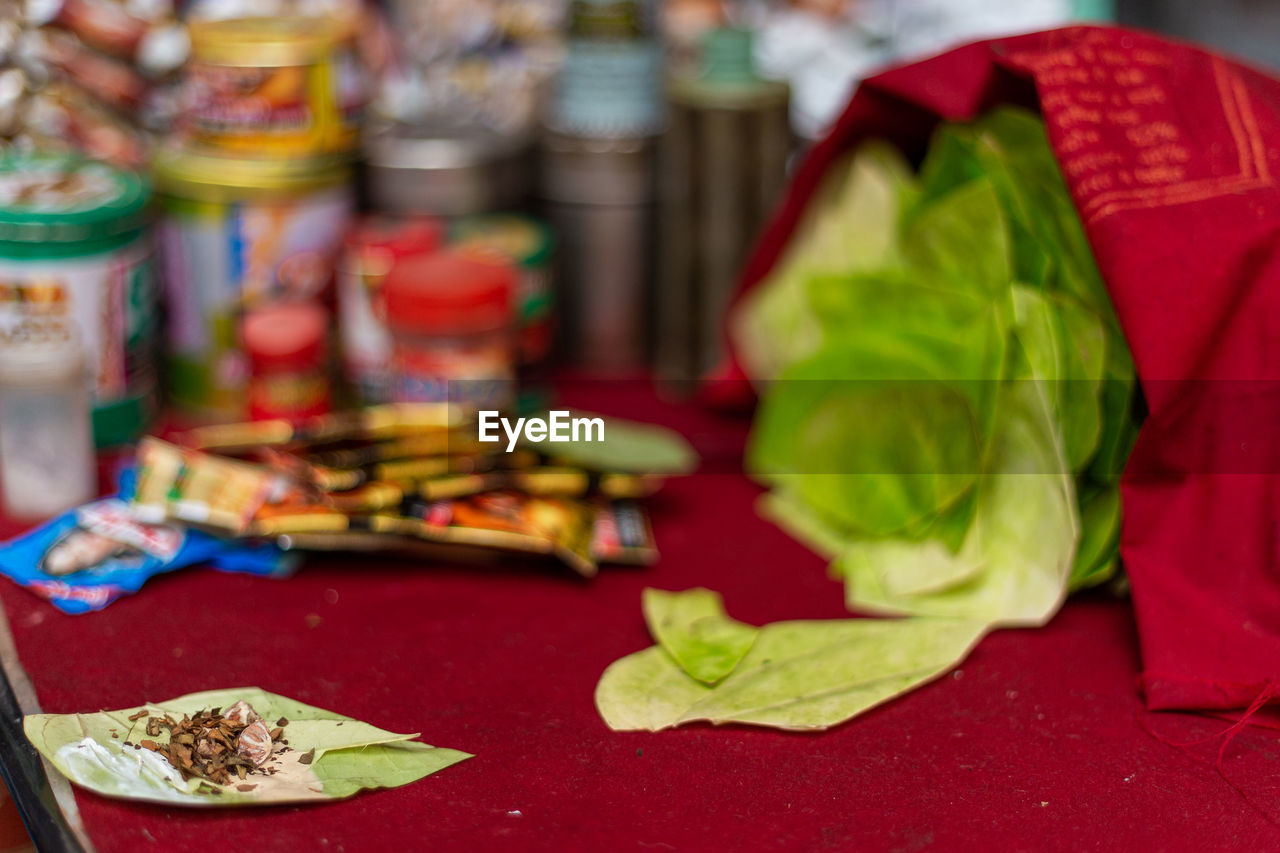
[
  {"x": 287, "y": 347},
  {"x": 451, "y": 316},
  {"x": 376, "y": 245}
]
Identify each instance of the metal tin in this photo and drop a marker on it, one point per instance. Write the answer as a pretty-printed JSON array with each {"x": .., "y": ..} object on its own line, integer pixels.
[
  {"x": 237, "y": 234},
  {"x": 283, "y": 85},
  {"x": 600, "y": 197},
  {"x": 447, "y": 170},
  {"x": 723, "y": 164},
  {"x": 74, "y": 246}
]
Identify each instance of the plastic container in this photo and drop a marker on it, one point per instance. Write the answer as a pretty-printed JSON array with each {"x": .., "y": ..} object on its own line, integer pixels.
[
  {"x": 285, "y": 86},
  {"x": 451, "y": 317},
  {"x": 237, "y": 234},
  {"x": 287, "y": 346},
  {"x": 47, "y": 461},
  {"x": 75, "y": 248},
  {"x": 376, "y": 245}
]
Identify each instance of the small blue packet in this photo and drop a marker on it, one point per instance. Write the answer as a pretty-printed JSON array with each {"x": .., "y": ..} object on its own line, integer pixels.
[{"x": 88, "y": 557}]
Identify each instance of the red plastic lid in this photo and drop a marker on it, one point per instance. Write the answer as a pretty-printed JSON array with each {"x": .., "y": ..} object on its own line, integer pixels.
[
  {"x": 286, "y": 335},
  {"x": 449, "y": 292},
  {"x": 400, "y": 236}
]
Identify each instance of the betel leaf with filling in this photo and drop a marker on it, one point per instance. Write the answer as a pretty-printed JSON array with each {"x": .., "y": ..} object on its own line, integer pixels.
[{"x": 329, "y": 756}]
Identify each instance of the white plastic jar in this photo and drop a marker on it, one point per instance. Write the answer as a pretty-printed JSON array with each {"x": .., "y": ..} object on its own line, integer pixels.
[{"x": 47, "y": 462}]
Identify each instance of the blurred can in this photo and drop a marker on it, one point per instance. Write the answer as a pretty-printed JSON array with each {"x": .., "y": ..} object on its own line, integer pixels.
[
  {"x": 723, "y": 163},
  {"x": 600, "y": 201},
  {"x": 373, "y": 248},
  {"x": 286, "y": 86},
  {"x": 75, "y": 249},
  {"x": 237, "y": 234},
  {"x": 447, "y": 170}
]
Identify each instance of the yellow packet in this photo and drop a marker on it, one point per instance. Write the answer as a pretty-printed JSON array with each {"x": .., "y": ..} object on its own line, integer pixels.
[
  {"x": 176, "y": 484},
  {"x": 393, "y": 420}
]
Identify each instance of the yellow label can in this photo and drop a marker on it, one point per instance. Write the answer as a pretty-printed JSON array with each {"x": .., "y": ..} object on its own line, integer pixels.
[{"x": 287, "y": 86}]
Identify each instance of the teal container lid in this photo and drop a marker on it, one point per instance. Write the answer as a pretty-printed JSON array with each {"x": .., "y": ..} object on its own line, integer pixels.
[
  {"x": 61, "y": 206},
  {"x": 726, "y": 56}
]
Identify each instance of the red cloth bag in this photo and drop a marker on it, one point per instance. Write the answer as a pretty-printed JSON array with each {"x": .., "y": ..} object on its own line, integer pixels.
[{"x": 1170, "y": 154}]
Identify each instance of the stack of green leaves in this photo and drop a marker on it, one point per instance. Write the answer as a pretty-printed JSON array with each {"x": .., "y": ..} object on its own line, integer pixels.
[
  {"x": 946, "y": 404},
  {"x": 947, "y": 396}
]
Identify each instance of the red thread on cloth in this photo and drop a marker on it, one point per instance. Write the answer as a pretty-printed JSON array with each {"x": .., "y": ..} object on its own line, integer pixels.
[{"x": 1270, "y": 690}]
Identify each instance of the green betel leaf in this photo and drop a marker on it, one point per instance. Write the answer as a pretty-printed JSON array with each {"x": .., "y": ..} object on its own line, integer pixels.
[
  {"x": 692, "y": 627},
  {"x": 1023, "y": 535},
  {"x": 961, "y": 239},
  {"x": 876, "y": 450},
  {"x": 1065, "y": 350},
  {"x": 628, "y": 447},
  {"x": 384, "y": 765},
  {"x": 1120, "y": 423},
  {"x": 329, "y": 756},
  {"x": 852, "y": 224},
  {"x": 1099, "y": 537},
  {"x": 798, "y": 675},
  {"x": 1015, "y": 151},
  {"x": 906, "y": 568},
  {"x": 952, "y": 161}
]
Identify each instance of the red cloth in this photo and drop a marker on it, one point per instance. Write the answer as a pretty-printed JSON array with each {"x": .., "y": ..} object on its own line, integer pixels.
[
  {"x": 1034, "y": 745},
  {"x": 1169, "y": 153}
]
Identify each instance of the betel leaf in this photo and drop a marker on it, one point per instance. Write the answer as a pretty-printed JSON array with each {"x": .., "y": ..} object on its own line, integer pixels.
[
  {"x": 1095, "y": 561},
  {"x": 876, "y": 454},
  {"x": 899, "y": 326},
  {"x": 852, "y": 225},
  {"x": 384, "y": 765},
  {"x": 1065, "y": 350},
  {"x": 797, "y": 675},
  {"x": 950, "y": 527},
  {"x": 1015, "y": 152},
  {"x": 1120, "y": 415},
  {"x": 950, "y": 162},
  {"x": 692, "y": 627},
  {"x": 961, "y": 239},
  {"x": 628, "y": 447},
  {"x": 1023, "y": 534},
  {"x": 345, "y": 755}
]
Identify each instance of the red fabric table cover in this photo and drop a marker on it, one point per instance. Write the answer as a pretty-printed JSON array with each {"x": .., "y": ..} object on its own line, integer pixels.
[
  {"x": 1036, "y": 743},
  {"x": 1170, "y": 155}
]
